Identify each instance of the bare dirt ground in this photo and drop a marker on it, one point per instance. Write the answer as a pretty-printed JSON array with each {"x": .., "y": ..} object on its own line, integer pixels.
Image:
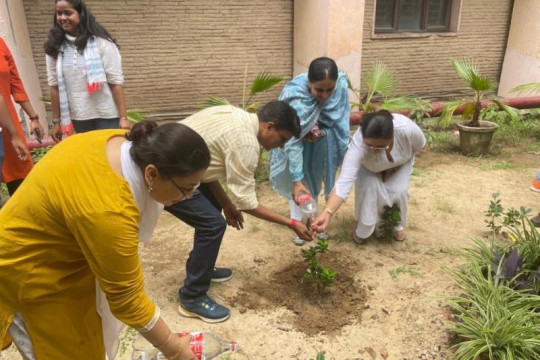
[{"x": 387, "y": 302}]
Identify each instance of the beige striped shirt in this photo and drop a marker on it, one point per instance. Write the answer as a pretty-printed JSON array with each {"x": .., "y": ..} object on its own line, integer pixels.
[{"x": 231, "y": 136}]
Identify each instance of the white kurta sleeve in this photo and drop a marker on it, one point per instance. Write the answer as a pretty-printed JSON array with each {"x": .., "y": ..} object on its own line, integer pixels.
[
  {"x": 351, "y": 164},
  {"x": 52, "y": 78},
  {"x": 418, "y": 140},
  {"x": 112, "y": 61}
]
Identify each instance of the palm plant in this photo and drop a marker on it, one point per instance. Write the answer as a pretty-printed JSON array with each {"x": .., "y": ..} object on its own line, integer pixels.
[
  {"x": 380, "y": 82},
  {"x": 262, "y": 82},
  {"x": 530, "y": 87},
  {"x": 468, "y": 71}
]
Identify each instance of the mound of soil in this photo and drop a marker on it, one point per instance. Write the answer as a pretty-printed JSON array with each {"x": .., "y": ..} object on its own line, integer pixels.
[{"x": 313, "y": 313}]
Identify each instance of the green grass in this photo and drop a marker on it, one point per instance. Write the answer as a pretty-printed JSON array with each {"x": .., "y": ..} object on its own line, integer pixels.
[
  {"x": 416, "y": 172},
  {"x": 444, "y": 205},
  {"x": 343, "y": 232},
  {"x": 497, "y": 165},
  {"x": 406, "y": 269}
]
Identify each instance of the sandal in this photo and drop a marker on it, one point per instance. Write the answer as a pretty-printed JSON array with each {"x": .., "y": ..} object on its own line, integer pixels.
[
  {"x": 358, "y": 240},
  {"x": 536, "y": 220},
  {"x": 399, "y": 235}
]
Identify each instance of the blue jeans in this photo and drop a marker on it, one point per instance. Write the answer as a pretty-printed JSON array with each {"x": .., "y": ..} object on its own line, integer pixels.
[
  {"x": 203, "y": 213},
  {"x": 82, "y": 126}
]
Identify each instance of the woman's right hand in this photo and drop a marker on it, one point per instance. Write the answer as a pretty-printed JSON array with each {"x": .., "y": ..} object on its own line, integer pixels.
[
  {"x": 299, "y": 187},
  {"x": 56, "y": 132},
  {"x": 183, "y": 349},
  {"x": 321, "y": 222}
]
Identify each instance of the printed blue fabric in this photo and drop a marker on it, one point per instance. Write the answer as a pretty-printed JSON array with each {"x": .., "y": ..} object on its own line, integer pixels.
[{"x": 315, "y": 162}]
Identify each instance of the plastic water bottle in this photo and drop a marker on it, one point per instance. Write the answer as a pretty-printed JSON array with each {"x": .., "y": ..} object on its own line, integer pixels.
[
  {"x": 308, "y": 206},
  {"x": 205, "y": 345}
]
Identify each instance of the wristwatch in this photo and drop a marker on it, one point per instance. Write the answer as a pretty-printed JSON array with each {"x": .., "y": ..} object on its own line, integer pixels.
[{"x": 56, "y": 121}]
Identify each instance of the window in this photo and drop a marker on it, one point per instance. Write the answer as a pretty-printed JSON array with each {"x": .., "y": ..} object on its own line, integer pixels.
[{"x": 396, "y": 16}]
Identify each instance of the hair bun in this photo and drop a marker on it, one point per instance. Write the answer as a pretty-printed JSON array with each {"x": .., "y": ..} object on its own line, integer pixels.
[{"x": 141, "y": 130}]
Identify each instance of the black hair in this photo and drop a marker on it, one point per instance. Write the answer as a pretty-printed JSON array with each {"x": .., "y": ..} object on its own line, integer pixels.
[
  {"x": 282, "y": 115},
  {"x": 322, "y": 68},
  {"x": 378, "y": 125},
  {"x": 88, "y": 26},
  {"x": 174, "y": 149}
]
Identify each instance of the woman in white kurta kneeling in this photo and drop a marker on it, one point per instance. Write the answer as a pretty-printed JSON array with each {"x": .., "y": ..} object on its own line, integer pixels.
[{"x": 380, "y": 160}]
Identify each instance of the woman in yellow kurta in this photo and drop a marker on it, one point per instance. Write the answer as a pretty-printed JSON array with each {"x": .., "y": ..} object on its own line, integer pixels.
[{"x": 75, "y": 224}]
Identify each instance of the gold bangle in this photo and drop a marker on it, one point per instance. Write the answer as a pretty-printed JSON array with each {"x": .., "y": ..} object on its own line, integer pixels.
[
  {"x": 166, "y": 342},
  {"x": 329, "y": 211}
]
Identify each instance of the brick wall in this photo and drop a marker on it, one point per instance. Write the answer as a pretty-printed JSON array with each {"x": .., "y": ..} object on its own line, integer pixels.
[
  {"x": 422, "y": 65},
  {"x": 175, "y": 53}
]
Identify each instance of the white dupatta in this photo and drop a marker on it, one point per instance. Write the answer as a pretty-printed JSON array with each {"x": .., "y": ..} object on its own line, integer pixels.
[{"x": 149, "y": 213}]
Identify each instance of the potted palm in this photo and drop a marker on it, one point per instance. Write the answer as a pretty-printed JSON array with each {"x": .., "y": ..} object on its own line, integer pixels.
[{"x": 475, "y": 134}]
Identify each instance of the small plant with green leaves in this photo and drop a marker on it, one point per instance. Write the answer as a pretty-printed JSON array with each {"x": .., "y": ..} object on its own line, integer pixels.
[
  {"x": 497, "y": 217},
  {"x": 322, "y": 276},
  {"x": 391, "y": 217},
  {"x": 320, "y": 356},
  {"x": 493, "y": 213},
  {"x": 38, "y": 153}
]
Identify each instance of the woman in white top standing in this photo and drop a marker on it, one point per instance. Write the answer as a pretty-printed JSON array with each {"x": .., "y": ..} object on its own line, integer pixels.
[
  {"x": 380, "y": 160},
  {"x": 84, "y": 72}
]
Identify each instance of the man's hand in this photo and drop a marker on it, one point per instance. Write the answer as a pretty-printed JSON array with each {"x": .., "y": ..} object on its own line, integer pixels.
[
  {"x": 297, "y": 188},
  {"x": 20, "y": 148},
  {"x": 56, "y": 132},
  {"x": 234, "y": 217},
  {"x": 37, "y": 129},
  {"x": 303, "y": 232}
]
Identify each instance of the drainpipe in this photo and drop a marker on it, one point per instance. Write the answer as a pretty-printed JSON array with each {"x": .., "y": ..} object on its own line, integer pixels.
[{"x": 518, "y": 103}]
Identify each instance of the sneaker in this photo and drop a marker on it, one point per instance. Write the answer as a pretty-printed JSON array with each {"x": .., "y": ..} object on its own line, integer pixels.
[
  {"x": 535, "y": 185},
  {"x": 204, "y": 308},
  {"x": 297, "y": 241},
  {"x": 323, "y": 236},
  {"x": 535, "y": 220},
  {"x": 221, "y": 274}
]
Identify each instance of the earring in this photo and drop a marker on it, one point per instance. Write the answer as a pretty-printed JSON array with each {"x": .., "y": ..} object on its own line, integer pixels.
[{"x": 150, "y": 189}]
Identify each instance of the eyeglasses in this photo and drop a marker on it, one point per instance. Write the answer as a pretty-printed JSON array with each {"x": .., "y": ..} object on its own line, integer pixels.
[
  {"x": 186, "y": 194},
  {"x": 376, "y": 147}
]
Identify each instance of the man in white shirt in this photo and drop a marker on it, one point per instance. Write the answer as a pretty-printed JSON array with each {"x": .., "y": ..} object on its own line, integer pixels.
[{"x": 234, "y": 138}]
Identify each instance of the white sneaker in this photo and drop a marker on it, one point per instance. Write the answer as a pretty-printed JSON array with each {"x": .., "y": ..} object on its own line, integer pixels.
[
  {"x": 297, "y": 241},
  {"x": 323, "y": 236}
]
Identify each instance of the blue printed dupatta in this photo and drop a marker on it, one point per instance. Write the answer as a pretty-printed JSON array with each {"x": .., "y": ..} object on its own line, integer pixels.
[{"x": 314, "y": 162}]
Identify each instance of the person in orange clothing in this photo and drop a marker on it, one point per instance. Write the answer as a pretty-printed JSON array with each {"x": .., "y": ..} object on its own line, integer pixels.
[
  {"x": 14, "y": 170},
  {"x": 17, "y": 143}
]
